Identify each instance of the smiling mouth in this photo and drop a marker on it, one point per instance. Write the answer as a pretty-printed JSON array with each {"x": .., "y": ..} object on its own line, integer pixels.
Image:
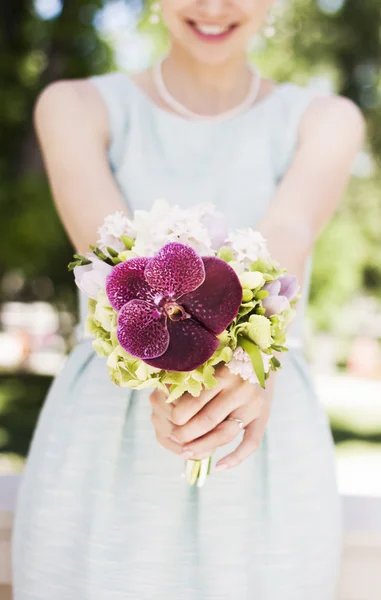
[{"x": 213, "y": 32}]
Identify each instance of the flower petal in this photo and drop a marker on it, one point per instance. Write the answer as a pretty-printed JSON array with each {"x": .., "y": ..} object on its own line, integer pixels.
[
  {"x": 142, "y": 330},
  {"x": 126, "y": 282},
  {"x": 216, "y": 302},
  {"x": 92, "y": 278},
  {"x": 273, "y": 287},
  {"x": 175, "y": 270},
  {"x": 289, "y": 286},
  {"x": 217, "y": 228},
  {"x": 275, "y": 305},
  {"x": 189, "y": 347}
]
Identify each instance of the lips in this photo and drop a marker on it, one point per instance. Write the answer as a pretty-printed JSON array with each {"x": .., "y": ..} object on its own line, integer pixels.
[{"x": 211, "y": 32}]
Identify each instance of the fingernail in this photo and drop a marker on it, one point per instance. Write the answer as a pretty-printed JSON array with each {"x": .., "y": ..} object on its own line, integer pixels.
[
  {"x": 221, "y": 467},
  {"x": 187, "y": 454},
  {"x": 174, "y": 439}
]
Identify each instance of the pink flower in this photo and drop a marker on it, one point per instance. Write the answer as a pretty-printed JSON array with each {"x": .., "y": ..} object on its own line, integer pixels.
[
  {"x": 172, "y": 306},
  {"x": 281, "y": 292}
]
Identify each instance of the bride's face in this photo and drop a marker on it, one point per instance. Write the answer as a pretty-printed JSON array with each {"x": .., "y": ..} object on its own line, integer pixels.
[{"x": 212, "y": 31}]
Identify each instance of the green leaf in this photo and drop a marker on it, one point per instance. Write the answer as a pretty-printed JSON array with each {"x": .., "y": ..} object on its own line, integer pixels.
[
  {"x": 194, "y": 387},
  {"x": 274, "y": 361},
  {"x": 174, "y": 377},
  {"x": 100, "y": 254},
  {"x": 246, "y": 308},
  {"x": 71, "y": 266},
  {"x": 256, "y": 358},
  {"x": 278, "y": 348},
  {"x": 113, "y": 253},
  {"x": 127, "y": 241},
  {"x": 103, "y": 256},
  {"x": 116, "y": 260}
]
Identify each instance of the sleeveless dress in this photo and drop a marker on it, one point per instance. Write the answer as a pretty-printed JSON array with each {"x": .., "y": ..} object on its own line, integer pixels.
[{"x": 103, "y": 513}]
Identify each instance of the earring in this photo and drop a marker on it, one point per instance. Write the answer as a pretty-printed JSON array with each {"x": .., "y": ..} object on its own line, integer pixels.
[{"x": 154, "y": 17}]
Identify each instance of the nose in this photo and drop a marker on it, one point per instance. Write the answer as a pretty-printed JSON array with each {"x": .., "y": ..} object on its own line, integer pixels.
[{"x": 212, "y": 8}]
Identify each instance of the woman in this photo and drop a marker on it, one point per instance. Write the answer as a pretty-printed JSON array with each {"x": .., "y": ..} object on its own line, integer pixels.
[{"x": 102, "y": 512}]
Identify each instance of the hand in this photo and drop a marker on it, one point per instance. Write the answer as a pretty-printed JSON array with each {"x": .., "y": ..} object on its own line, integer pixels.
[{"x": 195, "y": 427}]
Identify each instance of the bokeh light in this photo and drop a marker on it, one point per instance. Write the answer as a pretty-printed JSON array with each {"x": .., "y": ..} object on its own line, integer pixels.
[
  {"x": 48, "y": 9},
  {"x": 331, "y": 6}
]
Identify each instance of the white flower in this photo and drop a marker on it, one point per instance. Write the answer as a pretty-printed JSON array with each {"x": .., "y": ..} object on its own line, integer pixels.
[
  {"x": 193, "y": 226},
  {"x": 113, "y": 227},
  {"x": 251, "y": 280},
  {"x": 248, "y": 246},
  {"x": 241, "y": 365},
  {"x": 92, "y": 278}
]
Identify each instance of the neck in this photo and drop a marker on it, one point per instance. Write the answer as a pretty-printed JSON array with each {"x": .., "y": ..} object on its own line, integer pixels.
[{"x": 202, "y": 88}]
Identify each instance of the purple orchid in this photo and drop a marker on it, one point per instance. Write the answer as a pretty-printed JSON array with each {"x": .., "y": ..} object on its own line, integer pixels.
[
  {"x": 172, "y": 306},
  {"x": 281, "y": 292}
]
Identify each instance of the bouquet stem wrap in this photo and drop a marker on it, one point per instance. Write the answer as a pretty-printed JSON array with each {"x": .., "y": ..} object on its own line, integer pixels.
[{"x": 196, "y": 471}]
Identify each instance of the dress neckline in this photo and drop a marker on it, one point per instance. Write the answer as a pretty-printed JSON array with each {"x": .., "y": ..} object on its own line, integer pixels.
[{"x": 178, "y": 119}]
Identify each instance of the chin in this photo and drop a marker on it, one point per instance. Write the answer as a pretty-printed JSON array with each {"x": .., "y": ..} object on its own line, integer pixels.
[{"x": 210, "y": 54}]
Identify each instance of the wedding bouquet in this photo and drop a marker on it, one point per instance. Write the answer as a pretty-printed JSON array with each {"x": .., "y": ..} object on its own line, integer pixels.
[{"x": 172, "y": 295}]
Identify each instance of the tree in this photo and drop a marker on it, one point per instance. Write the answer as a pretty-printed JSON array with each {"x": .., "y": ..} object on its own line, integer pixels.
[{"x": 35, "y": 52}]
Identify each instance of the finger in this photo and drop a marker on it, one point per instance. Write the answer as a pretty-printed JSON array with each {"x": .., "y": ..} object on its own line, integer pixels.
[
  {"x": 159, "y": 404},
  {"x": 223, "y": 434},
  {"x": 189, "y": 405},
  {"x": 199, "y": 455},
  {"x": 163, "y": 426},
  {"x": 168, "y": 443},
  {"x": 251, "y": 440},
  {"x": 209, "y": 417},
  {"x": 226, "y": 431},
  {"x": 165, "y": 441}
]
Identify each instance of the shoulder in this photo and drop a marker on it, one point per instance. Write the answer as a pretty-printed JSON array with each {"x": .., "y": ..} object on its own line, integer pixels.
[
  {"x": 333, "y": 118},
  {"x": 75, "y": 102}
]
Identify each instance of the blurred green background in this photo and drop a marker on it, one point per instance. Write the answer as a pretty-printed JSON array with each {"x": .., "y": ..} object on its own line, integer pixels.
[{"x": 329, "y": 44}]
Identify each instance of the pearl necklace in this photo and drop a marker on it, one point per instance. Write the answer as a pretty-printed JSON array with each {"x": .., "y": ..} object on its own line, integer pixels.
[{"x": 179, "y": 108}]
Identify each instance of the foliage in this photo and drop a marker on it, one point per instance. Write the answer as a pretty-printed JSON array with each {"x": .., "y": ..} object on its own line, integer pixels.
[
  {"x": 33, "y": 53},
  {"x": 21, "y": 399}
]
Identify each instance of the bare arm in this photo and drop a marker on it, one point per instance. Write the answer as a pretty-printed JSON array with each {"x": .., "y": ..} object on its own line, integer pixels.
[
  {"x": 331, "y": 134},
  {"x": 72, "y": 127}
]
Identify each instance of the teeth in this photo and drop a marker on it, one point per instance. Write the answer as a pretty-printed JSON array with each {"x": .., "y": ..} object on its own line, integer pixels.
[{"x": 211, "y": 29}]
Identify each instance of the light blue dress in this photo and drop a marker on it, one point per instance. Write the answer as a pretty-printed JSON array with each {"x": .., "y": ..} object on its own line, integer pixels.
[{"x": 103, "y": 513}]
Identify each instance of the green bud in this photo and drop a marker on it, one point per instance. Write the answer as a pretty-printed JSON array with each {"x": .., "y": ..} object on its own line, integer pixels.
[
  {"x": 258, "y": 330},
  {"x": 225, "y": 253},
  {"x": 247, "y": 295},
  {"x": 72, "y": 265},
  {"x": 113, "y": 253},
  {"x": 275, "y": 362},
  {"x": 127, "y": 241},
  {"x": 261, "y": 294},
  {"x": 260, "y": 310}
]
